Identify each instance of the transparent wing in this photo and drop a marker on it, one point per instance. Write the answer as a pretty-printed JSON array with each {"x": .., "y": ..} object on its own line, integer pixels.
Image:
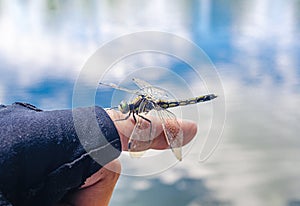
[
  {"x": 141, "y": 83},
  {"x": 141, "y": 136},
  {"x": 120, "y": 88},
  {"x": 172, "y": 130},
  {"x": 150, "y": 90}
]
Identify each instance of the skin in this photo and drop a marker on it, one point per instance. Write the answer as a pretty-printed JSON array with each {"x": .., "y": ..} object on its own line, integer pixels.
[{"x": 98, "y": 188}]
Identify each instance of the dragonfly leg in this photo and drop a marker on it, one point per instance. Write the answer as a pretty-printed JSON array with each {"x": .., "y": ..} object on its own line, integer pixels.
[
  {"x": 141, "y": 117},
  {"x": 134, "y": 118}
]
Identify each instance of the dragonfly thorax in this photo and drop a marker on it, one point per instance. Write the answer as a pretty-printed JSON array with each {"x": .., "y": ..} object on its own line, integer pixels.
[{"x": 124, "y": 107}]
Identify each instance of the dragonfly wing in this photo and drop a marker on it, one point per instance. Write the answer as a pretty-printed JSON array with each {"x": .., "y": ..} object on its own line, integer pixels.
[
  {"x": 150, "y": 90},
  {"x": 140, "y": 139},
  {"x": 112, "y": 85},
  {"x": 172, "y": 130},
  {"x": 141, "y": 83},
  {"x": 138, "y": 143}
]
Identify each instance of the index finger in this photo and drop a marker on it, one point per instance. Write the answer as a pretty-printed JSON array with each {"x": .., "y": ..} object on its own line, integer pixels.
[{"x": 125, "y": 129}]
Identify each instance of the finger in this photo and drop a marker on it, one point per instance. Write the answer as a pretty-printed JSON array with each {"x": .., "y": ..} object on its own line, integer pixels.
[
  {"x": 189, "y": 129},
  {"x": 97, "y": 189},
  {"x": 125, "y": 129}
]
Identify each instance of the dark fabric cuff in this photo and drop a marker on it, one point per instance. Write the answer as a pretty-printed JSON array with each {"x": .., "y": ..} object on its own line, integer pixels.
[{"x": 45, "y": 154}]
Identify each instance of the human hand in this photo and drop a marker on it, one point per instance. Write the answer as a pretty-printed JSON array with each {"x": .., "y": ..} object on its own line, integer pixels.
[
  {"x": 125, "y": 129},
  {"x": 42, "y": 159},
  {"x": 98, "y": 189}
]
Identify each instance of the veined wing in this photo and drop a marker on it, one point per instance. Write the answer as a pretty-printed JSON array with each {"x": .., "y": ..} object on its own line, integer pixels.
[
  {"x": 141, "y": 136},
  {"x": 150, "y": 90},
  {"x": 172, "y": 130},
  {"x": 112, "y": 85},
  {"x": 141, "y": 83}
]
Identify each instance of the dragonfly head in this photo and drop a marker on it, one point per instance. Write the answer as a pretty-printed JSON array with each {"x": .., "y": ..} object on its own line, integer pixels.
[{"x": 123, "y": 107}]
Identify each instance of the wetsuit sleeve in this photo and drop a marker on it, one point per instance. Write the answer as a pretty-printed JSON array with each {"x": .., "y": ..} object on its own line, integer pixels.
[{"x": 46, "y": 154}]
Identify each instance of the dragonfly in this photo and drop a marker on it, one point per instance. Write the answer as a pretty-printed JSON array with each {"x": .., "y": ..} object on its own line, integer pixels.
[{"x": 151, "y": 99}]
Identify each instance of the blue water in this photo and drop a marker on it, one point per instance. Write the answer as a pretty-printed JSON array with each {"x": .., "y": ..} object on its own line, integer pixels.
[{"x": 253, "y": 44}]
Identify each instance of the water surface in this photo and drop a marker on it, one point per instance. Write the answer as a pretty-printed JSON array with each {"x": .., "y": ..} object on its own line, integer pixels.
[{"x": 255, "y": 47}]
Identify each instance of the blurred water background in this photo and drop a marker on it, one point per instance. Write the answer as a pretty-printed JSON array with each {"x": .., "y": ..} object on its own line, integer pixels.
[{"x": 255, "y": 47}]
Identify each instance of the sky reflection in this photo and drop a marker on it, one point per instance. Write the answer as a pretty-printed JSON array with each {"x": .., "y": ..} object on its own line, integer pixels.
[{"x": 255, "y": 47}]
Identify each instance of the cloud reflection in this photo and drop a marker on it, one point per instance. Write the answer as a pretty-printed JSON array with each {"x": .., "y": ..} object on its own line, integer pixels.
[{"x": 253, "y": 43}]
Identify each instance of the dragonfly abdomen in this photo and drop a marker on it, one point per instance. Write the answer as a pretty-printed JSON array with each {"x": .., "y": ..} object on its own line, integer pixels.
[
  {"x": 169, "y": 104},
  {"x": 205, "y": 98}
]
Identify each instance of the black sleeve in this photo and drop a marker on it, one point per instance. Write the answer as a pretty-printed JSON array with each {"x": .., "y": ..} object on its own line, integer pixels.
[{"x": 45, "y": 154}]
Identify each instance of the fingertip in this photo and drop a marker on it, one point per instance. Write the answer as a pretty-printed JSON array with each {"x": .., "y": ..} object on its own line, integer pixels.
[
  {"x": 189, "y": 130},
  {"x": 193, "y": 129}
]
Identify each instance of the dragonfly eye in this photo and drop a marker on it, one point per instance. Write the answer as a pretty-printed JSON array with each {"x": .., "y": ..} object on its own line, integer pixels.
[{"x": 124, "y": 107}]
